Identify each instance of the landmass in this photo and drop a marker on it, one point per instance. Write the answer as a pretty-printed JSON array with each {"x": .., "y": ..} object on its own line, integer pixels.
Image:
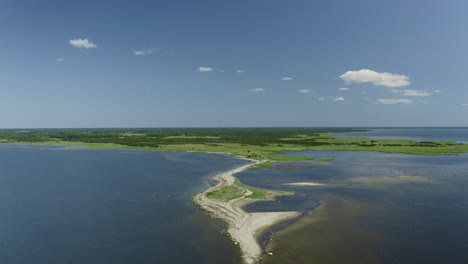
[
  {"x": 263, "y": 146},
  {"x": 225, "y": 201}
]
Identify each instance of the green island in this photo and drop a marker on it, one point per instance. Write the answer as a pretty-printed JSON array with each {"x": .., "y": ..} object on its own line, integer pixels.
[{"x": 265, "y": 144}]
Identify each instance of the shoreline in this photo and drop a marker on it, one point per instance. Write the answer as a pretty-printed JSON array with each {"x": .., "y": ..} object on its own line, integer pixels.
[{"x": 243, "y": 227}]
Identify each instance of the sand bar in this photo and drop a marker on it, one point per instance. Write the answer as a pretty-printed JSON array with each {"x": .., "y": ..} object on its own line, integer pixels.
[{"x": 243, "y": 227}]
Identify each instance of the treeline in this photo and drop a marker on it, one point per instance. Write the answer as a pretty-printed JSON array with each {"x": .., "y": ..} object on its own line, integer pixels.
[{"x": 166, "y": 136}]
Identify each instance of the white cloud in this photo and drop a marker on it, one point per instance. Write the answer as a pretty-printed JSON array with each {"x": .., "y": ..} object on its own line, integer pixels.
[
  {"x": 204, "y": 69},
  {"x": 465, "y": 104},
  {"x": 412, "y": 92},
  {"x": 376, "y": 78},
  {"x": 415, "y": 93},
  {"x": 240, "y": 71},
  {"x": 343, "y": 89},
  {"x": 437, "y": 91},
  {"x": 305, "y": 91},
  {"x": 256, "y": 90},
  {"x": 286, "y": 79},
  {"x": 82, "y": 43},
  {"x": 60, "y": 59},
  {"x": 331, "y": 98},
  {"x": 423, "y": 102},
  {"x": 143, "y": 52},
  {"x": 394, "y": 101},
  {"x": 221, "y": 71}
]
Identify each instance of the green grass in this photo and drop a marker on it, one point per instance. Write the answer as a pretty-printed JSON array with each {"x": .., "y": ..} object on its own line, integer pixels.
[
  {"x": 226, "y": 193},
  {"x": 238, "y": 190},
  {"x": 325, "y": 159},
  {"x": 266, "y": 164},
  {"x": 186, "y": 142}
]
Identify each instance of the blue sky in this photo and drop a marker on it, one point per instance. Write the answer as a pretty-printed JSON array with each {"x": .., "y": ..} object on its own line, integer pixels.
[{"x": 185, "y": 63}]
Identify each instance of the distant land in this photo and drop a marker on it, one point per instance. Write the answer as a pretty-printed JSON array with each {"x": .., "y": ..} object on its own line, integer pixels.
[{"x": 262, "y": 146}]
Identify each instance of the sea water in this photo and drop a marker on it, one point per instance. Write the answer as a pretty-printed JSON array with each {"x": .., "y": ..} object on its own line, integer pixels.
[{"x": 60, "y": 205}]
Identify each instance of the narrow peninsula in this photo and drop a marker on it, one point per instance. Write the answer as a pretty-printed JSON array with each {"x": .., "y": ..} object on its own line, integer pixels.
[{"x": 243, "y": 227}]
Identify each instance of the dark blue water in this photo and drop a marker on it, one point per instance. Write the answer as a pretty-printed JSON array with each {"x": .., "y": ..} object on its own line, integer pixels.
[
  {"x": 459, "y": 135},
  {"x": 108, "y": 206},
  {"x": 416, "y": 208}
]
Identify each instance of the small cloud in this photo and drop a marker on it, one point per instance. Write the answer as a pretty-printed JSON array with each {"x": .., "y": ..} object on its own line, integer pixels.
[
  {"x": 221, "y": 71},
  {"x": 437, "y": 91},
  {"x": 343, "y": 89},
  {"x": 321, "y": 99},
  {"x": 423, "y": 102},
  {"x": 415, "y": 93},
  {"x": 337, "y": 99},
  {"x": 393, "y": 101},
  {"x": 257, "y": 90},
  {"x": 376, "y": 78},
  {"x": 412, "y": 92},
  {"x": 143, "y": 52},
  {"x": 240, "y": 71},
  {"x": 464, "y": 104},
  {"x": 82, "y": 43},
  {"x": 286, "y": 79},
  {"x": 304, "y": 91},
  {"x": 204, "y": 69},
  {"x": 60, "y": 59}
]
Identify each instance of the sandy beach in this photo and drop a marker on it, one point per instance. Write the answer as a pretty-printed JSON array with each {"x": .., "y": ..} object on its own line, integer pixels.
[{"x": 243, "y": 227}]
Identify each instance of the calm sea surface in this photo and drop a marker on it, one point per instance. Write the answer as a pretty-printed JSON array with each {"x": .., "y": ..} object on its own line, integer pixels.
[
  {"x": 459, "y": 135},
  {"x": 371, "y": 208},
  {"x": 59, "y": 205}
]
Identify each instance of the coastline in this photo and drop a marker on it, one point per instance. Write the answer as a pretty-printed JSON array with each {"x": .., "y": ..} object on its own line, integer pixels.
[{"x": 243, "y": 227}]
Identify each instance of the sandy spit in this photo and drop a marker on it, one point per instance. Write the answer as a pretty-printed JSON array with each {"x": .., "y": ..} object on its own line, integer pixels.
[{"x": 243, "y": 227}]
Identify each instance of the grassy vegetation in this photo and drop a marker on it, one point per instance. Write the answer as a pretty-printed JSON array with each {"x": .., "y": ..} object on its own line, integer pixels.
[
  {"x": 325, "y": 159},
  {"x": 238, "y": 190},
  {"x": 265, "y": 144},
  {"x": 266, "y": 164},
  {"x": 226, "y": 193}
]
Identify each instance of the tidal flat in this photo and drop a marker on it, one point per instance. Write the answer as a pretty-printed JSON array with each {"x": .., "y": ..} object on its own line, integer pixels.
[{"x": 371, "y": 208}]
